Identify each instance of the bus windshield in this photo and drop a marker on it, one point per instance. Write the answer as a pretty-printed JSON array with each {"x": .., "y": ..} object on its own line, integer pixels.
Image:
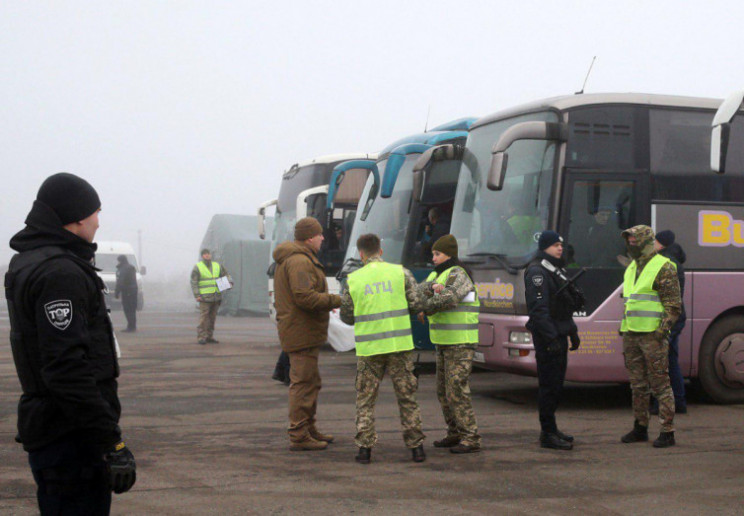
[
  {"x": 388, "y": 218},
  {"x": 505, "y": 222},
  {"x": 294, "y": 182}
]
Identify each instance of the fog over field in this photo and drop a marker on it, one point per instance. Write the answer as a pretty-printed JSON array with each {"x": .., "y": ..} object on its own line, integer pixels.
[{"x": 178, "y": 110}]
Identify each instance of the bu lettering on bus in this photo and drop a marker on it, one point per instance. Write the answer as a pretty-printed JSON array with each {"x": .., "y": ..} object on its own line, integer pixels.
[{"x": 719, "y": 229}]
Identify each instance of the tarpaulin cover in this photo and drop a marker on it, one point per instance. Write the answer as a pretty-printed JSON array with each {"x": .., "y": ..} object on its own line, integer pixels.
[{"x": 234, "y": 242}]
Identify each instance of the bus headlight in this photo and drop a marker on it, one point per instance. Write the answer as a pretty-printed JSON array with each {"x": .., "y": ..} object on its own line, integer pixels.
[{"x": 520, "y": 337}]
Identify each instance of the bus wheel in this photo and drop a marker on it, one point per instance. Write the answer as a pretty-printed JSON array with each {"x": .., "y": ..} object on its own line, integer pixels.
[{"x": 721, "y": 364}]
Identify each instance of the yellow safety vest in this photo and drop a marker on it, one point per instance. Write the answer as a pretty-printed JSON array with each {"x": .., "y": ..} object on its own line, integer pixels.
[
  {"x": 382, "y": 323},
  {"x": 207, "y": 278},
  {"x": 456, "y": 326},
  {"x": 643, "y": 308}
]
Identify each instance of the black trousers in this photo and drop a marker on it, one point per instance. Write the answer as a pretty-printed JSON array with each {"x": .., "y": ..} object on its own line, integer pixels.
[
  {"x": 71, "y": 478},
  {"x": 129, "y": 304},
  {"x": 552, "y": 359}
]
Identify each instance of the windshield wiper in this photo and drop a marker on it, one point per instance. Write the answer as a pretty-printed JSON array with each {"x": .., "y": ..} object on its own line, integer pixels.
[{"x": 501, "y": 258}]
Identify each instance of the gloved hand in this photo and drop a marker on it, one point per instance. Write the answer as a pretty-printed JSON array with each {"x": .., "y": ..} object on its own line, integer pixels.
[
  {"x": 575, "y": 341},
  {"x": 121, "y": 468}
]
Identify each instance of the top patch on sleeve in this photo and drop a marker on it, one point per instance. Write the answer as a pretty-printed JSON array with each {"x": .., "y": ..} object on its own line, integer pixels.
[
  {"x": 537, "y": 280},
  {"x": 59, "y": 313}
]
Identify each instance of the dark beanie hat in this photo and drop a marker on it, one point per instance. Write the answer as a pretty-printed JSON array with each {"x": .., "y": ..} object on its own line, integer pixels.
[
  {"x": 307, "y": 228},
  {"x": 666, "y": 237},
  {"x": 548, "y": 238},
  {"x": 71, "y": 197},
  {"x": 447, "y": 245}
]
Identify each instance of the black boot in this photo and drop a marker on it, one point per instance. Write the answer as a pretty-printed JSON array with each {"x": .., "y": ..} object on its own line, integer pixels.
[
  {"x": 665, "y": 440},
  {"x": 551, "y": 440},
  {"x": 637, "y": 435},
  {"x": 364, "y": 455},
  {"x": 447, "y": 442},
  {"x": 418, "y": 454},
  {"x": 566, "y": 437}
]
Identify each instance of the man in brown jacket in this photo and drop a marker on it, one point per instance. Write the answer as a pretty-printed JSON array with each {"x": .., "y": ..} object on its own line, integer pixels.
[{"x": 302, "y": 306}]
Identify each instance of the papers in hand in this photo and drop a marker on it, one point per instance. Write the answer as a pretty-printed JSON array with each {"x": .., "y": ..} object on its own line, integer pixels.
[{"x": 223, "y": 284}]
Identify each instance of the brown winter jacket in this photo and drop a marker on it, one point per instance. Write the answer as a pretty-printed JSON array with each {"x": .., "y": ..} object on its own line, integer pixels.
[{"x": 301, "y": 297}]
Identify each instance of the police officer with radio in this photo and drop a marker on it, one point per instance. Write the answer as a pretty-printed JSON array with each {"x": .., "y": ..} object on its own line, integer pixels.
[
  {"x": 551, "y": 301},
  {"x": 65, "y": 354}
]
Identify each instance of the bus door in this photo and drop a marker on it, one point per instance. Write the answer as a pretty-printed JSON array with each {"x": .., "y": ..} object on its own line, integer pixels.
[
  {"x": 344, "y": 191},
  {"x": 596, "y": 208}
]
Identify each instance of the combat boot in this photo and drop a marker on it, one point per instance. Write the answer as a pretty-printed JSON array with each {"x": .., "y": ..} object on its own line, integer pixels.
[
  {"x": 551, "y": 440},
  {"x": 566, "y": 437},
  {"x": 315, "y": 434},
  {"x": 637, "y": 435},
  {"x": 307, "y": 443},
  {"x": 665, "y": 440},
  {"x": 418, "y": 454},
  {"x": 447, "y": 442},
  {"x": 465, "y": 448},
  {"x": 364, "y": 455}
]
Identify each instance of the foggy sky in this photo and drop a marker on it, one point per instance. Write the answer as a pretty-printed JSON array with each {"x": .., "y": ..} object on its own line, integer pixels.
[{"x": 178, "y": 110}]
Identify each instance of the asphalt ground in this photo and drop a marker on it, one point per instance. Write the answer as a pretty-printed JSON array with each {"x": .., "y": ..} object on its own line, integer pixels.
[{"x": 208, "y": 428}]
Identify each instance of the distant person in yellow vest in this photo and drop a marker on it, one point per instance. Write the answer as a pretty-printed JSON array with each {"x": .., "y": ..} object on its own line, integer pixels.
[
  {"x": 652, "y": 305},
  {"x": 379, "y": 302},
  {"x": 204, "y": 287},
  {"x": 452, "y": 304}
]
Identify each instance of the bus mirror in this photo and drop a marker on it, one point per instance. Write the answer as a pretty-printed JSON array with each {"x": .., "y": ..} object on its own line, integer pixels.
[
  {"x": 548, "y": 131},
  {"x": 497, "y": 172},
  {"x": 444, "y": 152},
  {"x": 262, "y": 218},
  {"x": 719, "y": 140}
]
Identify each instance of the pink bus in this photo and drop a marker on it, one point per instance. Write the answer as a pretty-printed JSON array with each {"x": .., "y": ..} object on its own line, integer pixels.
[{"x": 590, "y": 166}]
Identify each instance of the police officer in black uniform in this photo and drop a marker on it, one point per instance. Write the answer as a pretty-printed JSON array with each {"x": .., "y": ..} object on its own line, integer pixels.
[
  {"x": 65, "y": 354},
  {"x": 551, "y": 324}
]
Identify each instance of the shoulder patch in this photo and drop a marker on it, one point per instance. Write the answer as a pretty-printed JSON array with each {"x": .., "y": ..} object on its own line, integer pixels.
[
  {"x": 59, "y": 313},
  {"x": 537, "y": 280}
]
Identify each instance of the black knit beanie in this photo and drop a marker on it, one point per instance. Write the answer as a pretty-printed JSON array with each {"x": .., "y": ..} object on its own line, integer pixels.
[
  {"x": 548, "y": 238},
  {"x": 666, "y": 237},
  {"x": 71, "y": 197}
]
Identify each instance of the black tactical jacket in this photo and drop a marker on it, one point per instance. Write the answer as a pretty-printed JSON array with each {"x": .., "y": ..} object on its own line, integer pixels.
[
  {"x": 61, "y": 336},
  {"x": 551, "y": 315}
]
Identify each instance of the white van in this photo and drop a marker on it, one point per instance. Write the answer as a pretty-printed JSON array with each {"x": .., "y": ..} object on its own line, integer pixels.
[{"x": 106, "y": 260}]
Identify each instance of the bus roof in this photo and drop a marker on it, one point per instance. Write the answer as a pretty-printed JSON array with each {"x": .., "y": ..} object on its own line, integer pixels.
[
  {"x": 331, "y": 158},
  {"x": 432, "y": 136},
  {"x": 588, "y": 99}
]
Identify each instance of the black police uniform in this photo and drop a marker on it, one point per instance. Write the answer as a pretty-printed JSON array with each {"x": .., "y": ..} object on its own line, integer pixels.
[
  {"x": 551, "y": 323},
  {"x": 64, "y": 351},
  {"x": 126, "y": 287}
]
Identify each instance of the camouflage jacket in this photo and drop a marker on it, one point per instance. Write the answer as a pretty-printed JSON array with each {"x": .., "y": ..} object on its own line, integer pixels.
[
  {"x": 666, "y": 283},
  {"x": 457, "y": 287},
  {"x": 413, "y": 295}
]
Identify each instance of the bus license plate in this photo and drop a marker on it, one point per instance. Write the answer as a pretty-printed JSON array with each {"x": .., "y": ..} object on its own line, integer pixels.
[{"x": 478, "y": 357}]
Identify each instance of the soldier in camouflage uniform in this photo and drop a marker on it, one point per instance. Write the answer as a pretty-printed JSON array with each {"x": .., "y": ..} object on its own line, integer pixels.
[
  {"x": 378, "y": 301},
  {"x": 653, "y": 304},
  {"x": 452, "y": 306}
]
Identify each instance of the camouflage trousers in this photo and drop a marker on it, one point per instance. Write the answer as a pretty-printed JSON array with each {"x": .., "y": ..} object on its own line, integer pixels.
[
  {"x": 370, "y": 372},
  {"x": 454, "y": 364},
  {"x": 207, "y": 318},
  {"x": 647, "y": 361}
]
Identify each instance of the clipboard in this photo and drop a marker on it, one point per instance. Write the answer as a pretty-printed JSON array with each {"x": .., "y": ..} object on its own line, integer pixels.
[{"x": 223, "y": 284}]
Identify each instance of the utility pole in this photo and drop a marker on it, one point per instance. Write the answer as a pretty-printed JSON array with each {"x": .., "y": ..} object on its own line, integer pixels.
[{"x": 139, "y": 246}]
